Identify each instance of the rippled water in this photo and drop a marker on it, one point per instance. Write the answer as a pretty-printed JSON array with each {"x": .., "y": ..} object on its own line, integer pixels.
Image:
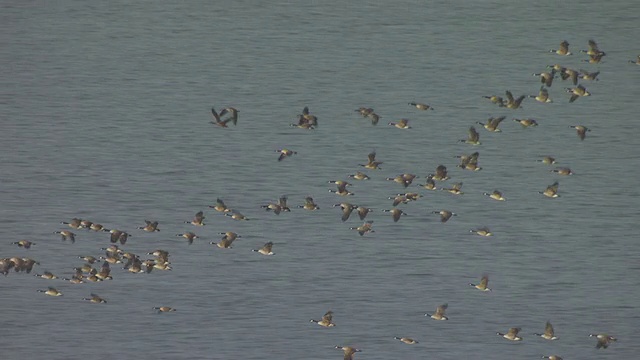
[{"x": 105, "y": 111}]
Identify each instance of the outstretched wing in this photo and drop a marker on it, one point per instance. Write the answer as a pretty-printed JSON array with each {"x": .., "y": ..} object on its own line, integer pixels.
[
  {"x": 372, "y": 156},
  {"x": 509, "y": 96},
  {"x": 216, "y": 117},
  {"x": 548, "y": 331}
]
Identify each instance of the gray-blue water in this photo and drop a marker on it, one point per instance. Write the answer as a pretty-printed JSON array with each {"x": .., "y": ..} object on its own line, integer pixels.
[{"x": 104, "y": 112}]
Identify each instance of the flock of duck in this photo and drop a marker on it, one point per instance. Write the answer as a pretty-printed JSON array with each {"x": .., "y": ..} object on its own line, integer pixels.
[{"x": 159, "y": 259}]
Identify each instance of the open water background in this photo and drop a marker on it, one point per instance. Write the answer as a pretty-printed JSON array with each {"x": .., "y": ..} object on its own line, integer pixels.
[{"x": 104, "y": 111}]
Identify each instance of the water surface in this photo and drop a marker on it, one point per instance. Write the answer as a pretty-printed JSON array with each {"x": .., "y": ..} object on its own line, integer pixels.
[{"x": 105, "y": 111}]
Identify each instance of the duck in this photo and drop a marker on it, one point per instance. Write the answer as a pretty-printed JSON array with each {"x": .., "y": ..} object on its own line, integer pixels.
[
  {"x": 589, "y": 76},
  {"x": 19, "y": 264},
  {"x": 75, "y": 279},
  {"x": 275, "y": 207},
  {"x": 546, "y": 78},
  {"x": 551, "y": 190},
  {"x": 359, "y": 176},
  {"x": 512, "y": 334},
  {"x": 342, "y": 189},
  {"x": 399, "y": 199},
  {"x": 308, "y": 118},
  {"x": 89, "y": 259},
  {"x": 404, "y": 179},
  {"x": 75, "y": 223},
  {"x": 219, "y": 206},
  {"x": 543, "y": 96},
  {"x": 51, "y": 291},
  {"x": 93, "y": 278},
  {"x": 395, "y": 213},
  {"x": 636, "y": 61},
  {"x": 197, "y": 219},
  {"x": 492, "y": 123},
  {"x": 265, "y": 249},
  {"x": 217, "y": 121},
  {"x": 548, "y": 332},
  {"x": 112, "y": 249},
  {"x": 469, "y": 162},
  {"x": 375, "y": 118},
  {"x": 347, "y": 209},
  {"x": 430, "y": 184},
  {"x": 498, "y": 100},
  {"x": 411, "y": 196},
  {"x": 562, "y": 171},
  {"x": 284, "y": 153},
  {"x": 98, "y": 227},
  {"x": 27, "y": 265},
  {"x": 105, "y": 272},
  {"x": 163, "y": 309},
  {"x": 471, "y": 166},
  {"x": 364, "y": 111},
  {"x": 604, "y": 340},
  {"x": 340, "y": 183},
  {"x": 483, "y": 231},
  {"x": 549, "y": 160},
  {"x": 227, "y": 240},
  {"x": 135, "y": 265},
  {"x": 150, "y": 227},
  {"x": 372, "y": 164},
  {"x": 118, "y": 235},
  {"x": 190, "y": 236},
  {"x": 112, "y": 259},
  {"x": 309, "y": 204},
  {"x": 445, "y": 215},
  {"x": 161, "y": 254},
  {"x": 495, "y": 195},
  {"x": 233, "y": 112},
  {"x": 5, "y": 266},
  {"x": 581, "y": 130},
  {"x": 46, "y": 275},
  {"x": 85, "y": 224},
  {"x": 303, "y": 123},
  {"x": 513, "y": 103},
  {"x": 441, "y": 173},
  {"x": 483, "y": 285},
  {"x": 15, "y": 263},
  {"x": 526, "y": 122},
  {"x": 557, "y": 67},
  {"x": 593, "y": 49},
  {"x": 421, "y": 106},
  {"x": 473, "y": 137},
  {"x": 348, "y": 351},
  {"x": 563, "y": 49},
  {"x": 568, "y": 73},
  {"x": 594, "y": 59},
  {"x": 439, "y": 314},
  {"x": 577, "y": 92},
  {"x": 406, "y": 340},
  {"x": 364, "y": 228},
  {"x": 363, "y": 211},
  {"x": 95, "y": 299},
  {"x": 401, "y": 124},
  {"x": 236, "y": 215},
  {"x": 24, "y": 244},
  {"x": 326, "y": 321},
  {"x": 160, "y": 265},
  {"x": 455, "y": 189},
  {"x": 66, "y": 235}
]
